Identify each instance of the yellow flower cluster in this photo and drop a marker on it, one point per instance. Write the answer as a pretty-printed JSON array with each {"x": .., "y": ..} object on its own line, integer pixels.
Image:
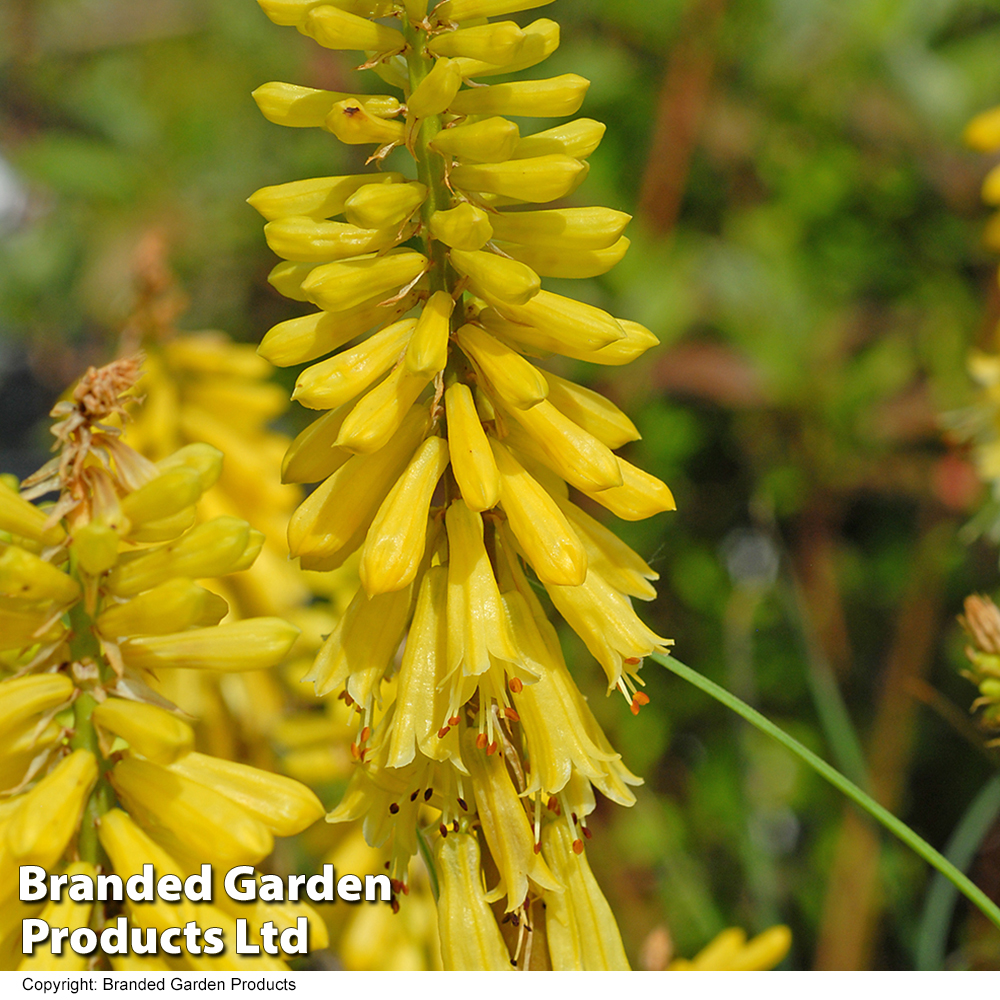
[
  {"x": 446, "y": 457},
  {"x": 730, "y": 951},
  {"x": 983, "y": 134},
  {"x": 97, "y": 597}
]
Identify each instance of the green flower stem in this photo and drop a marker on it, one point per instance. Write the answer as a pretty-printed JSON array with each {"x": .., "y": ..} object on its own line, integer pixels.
[{"x": 964, "y": 885}]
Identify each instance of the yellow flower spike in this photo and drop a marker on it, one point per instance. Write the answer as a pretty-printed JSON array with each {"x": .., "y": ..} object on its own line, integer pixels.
[
  {"x": 334, "y": 519},
  {"x": 203, "y": 458},
  {"x": 378, "y": 414},
  {"x": 149, "y": 730},
  {"x": 304, "y": 107},
  {"x": 477, "y": 629},
  {"x": 211, "y": 549},
  {"x": 489, "y": 141},
  {"x": 572, "y": 453},
  {"x": 339, "y": 379},
  {"x": 292, "y": 12},
  {"x": 470, "y": 937},
  {"x": 535, "y": 178},
  {"x": 312, "y": 456},
  {"x": 421, "y": 697},
  {"x": 496, "y": 276},
  {"x": 427, "y": 352},
  {"x": 48, "y": 816},
  {"x": 170, "y": 607},
  {"x": 554, "y": 323},
  {"x": 581, "y": 929},
  {"x": 562, "y": 228},
  {"x": 348, "y": 283},
  {"x": 394, "y": 546},
  {"x": 549, "y": 543},
  {"x": 375, "y": 206},
  {"x": 609, "y": 556},
  {"x": 23, "y": 698},
  {"x": 592, "y": 411},
  {"x": 541, "y": 39},
  {"x": 25, "y": 520},
  {"x": 505, "y": 824},
  {"x": 436, "y": 91},
  {"x": 464, "y": 227},
  {"x": 577, "y": 138},
  {"x": 472, "y": 460},
  {"x": 303, "y": 239},
  {"x": 281, "y": 804},
  {"x": 306, "y": 338},
  {"x": 337, "y": 29},
  {"x": 252, "y": 644},
  {"x": 604, "y": 619},
  {"x": 516, "y": 381},
  {"x": 64, "y": 913},
  {"x": 187, "y": 818},
  {"x": 640, "y": 495},
  {"x": 26, "y": 577},
  {"x": 550, "y": 263},
  {"x": 554, "y": 98},
  {"x": 129, "y": 848},
  {"x": 467, "y": 10},
  {"x": 168, "y": 494},
  {"x": 983, "y": 132},
  {"x": 362, "y": 646},
  {"x": 499, "y": 42},
  {"x": 353, "y": 125},
  {"x": 318, "y": 197}
]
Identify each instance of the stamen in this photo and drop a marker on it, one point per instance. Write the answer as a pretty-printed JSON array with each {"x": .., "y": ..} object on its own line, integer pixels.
[
  {"x": 394, "y": 808},
  {"x": 516, "y": 685}
]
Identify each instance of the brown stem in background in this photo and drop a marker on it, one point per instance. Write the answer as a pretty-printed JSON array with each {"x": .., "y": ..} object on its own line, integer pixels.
[
  {"x": 853, "y": 901},
  {"x": 679, "y": 114}
]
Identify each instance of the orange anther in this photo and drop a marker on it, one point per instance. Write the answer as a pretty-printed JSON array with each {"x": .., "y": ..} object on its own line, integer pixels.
[
  {"x": 442, "y": 733},
  {"x": 641, "y": 698},
  {"x": 578, "y": 847},
  {"x": 516, "y": 685},
  {"x": 512, "y": 715},
  {"x": 632, "y": 660},
  {"x": 365, "y": 733},
  {"x": 491, "y": 749},
  {"x": 454, "y": 720},
  {"x": 481, "y": 741}
]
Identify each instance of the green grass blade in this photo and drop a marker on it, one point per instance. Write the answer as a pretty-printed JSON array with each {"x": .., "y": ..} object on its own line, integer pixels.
[{"x": 964, "y": 885}]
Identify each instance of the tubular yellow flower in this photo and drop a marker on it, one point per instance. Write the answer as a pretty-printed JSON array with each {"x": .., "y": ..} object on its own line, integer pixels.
[
  {"x": 427, "y": 351},
  {"x": 489, "y": 141},
  {"x": 472, "y": 459},
  {"x": 464, "y": 227},
  {"x": 149, "y": 730},
  {"x": 23, "y": 698},
  {"x": 375, "y": 206}
]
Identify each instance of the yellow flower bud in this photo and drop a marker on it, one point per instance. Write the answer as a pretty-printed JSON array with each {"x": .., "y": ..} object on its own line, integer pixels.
[
  {"x": 577, "y": 138},
  {"x": 352, "y": 124},
  {"x": 499, "y": 42},
  {"x": 281, "y": 804},
  {"x": 637, "y": 341},
  {"x": 165, "y": 530},
  {"x": 549, "y": 543},
  {"x": 375, "y": 206},
  {"x": 490, "y": 141},
  {"x": 19, "y": 629},
  {"x": 211, "y": 549},
  {"x": 394, "y": 545},
  {"x": 554, "y": 98},
  {"x": 472, "y": 460},
  {"x": 591, "y": 411},
  {"x": 251, "y": 644},
  {"x": 436, "y": 91},
  {"x": 287, "y": 278},
  {"x": 551, "y": 263},
  {"x": 640, "y": 495},
  {"x": 537, "y": 178},
  {"x": 23, "y": 575},
  {"x": 983, "y": 132},
  {"x": 337, "y": 29},
  {"x": 191, "y": 820},
  {"x": 496, "y": 276},
  {"x": 304, "y": 107},
  {"x": 562, "y": 228},
  {"x": 541, "y": 39},
  {"x": 170, "y": 607},
  {"x": 96, "y": 547},
  {"x": 149, "y": 730},
  {"x": 306, "y": 338},
  {"x": 48, "y": 815},
  {"x": 22, "y": 698},
  {"x": 203, "y": 458},
  {"x": 348, "y": 283},
  {"x": 464, "y": 227},
  {"x": 427, "y": 352},
  {"x": 515, "y": 380},
  {"x": 991, "y": 187},
  {"x": 580, "y": 927},
  {"x": 466, "y": 10},
  {"x": 470, "y": 938},
  {"x": 166, "y": 495},
  {"x": 339, "y": 379},
  {"x": 62, "y": 913},
  {"x": 293, "y": 12},
  {"x": 317, "y": 197},
  {"x": 214, "y": 354},
  {"x": 333, "y": 520},
  {"x": 25, "y": 520},
  {"x": 298, "y": 237},
  {"x": 377, "y": 415},
  {"x": 312, "y": 455}
]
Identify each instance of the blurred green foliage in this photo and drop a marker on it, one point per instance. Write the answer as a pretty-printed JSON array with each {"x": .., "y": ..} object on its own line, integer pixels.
[{"x": 807, "y": 251}]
